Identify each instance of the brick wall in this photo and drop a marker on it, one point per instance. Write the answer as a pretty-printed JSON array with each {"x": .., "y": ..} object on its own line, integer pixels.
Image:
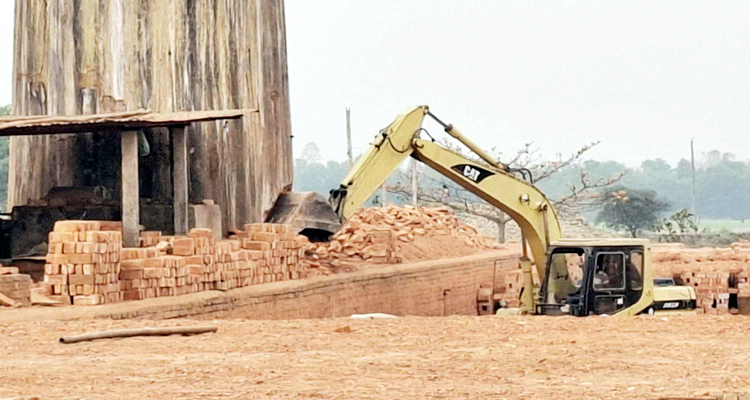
[{"x": 430, "y": 288}]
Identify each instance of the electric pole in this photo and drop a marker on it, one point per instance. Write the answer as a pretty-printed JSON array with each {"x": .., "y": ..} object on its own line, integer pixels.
[
  {"x": 414, "y": 181},
  {"x": 692, "y": 163},
  {"x": 349, "y": 137}
]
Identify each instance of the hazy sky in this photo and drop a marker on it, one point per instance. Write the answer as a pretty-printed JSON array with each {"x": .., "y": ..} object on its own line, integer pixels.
[
  {"x": 642, "y": 77},
  {"x": 6, "y": 51}
]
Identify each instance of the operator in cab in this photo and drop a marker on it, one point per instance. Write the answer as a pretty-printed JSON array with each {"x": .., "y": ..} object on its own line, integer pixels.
[{"x": 609, "y": 272}]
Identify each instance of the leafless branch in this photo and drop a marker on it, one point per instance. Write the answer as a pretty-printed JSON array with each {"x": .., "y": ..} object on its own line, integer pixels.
[
  {"x": 585, "y": 196},
  {"x": 546, "y": 169},
  {"x": 582, "y": 196}
]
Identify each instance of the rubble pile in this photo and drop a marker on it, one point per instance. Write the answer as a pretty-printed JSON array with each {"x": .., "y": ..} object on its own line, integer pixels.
[{"x": 390, "y": 235}]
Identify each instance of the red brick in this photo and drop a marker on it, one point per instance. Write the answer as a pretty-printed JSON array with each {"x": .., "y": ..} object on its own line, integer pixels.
[
  {"x": 131, "y": 274},
  {"x": 132, "y": 264},
  {"x": 135, "y": 294},
  {"x": 61, "y": 237},
  {"x": 265, "y": 237},
  {"x": 255, "y": 245},
  {"x": 110, "y": 226},
  {"x": 201, "y": 232},
  {"x": 77, "y": 226},
  {"x": 80, "y": 279}
]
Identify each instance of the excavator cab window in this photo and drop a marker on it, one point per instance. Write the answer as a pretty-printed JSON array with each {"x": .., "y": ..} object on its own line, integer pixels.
[
  {"x": 566, "y": 275},
  {"x": 610, "y": 271},
  {"x": 635, "y": 270},
  {"x": 617, "y": 280}
]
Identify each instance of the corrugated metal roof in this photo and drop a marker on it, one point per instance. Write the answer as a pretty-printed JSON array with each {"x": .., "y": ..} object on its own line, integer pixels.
[{"x": 122, "y": 121}]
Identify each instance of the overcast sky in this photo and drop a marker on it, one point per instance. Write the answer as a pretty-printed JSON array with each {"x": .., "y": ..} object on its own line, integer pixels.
[
  {"x": 6, "y": 51},
  {"x": 641, "y": 77}
]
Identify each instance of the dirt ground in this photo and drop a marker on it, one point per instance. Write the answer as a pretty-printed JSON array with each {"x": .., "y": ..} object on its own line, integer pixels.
[{"x": 405, "y": 358}]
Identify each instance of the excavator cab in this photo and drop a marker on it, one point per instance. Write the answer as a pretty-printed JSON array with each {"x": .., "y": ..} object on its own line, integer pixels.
[{"x": 596, "y": 277}]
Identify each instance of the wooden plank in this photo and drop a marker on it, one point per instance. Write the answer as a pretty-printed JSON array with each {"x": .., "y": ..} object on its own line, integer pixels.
[
  {"x": 180, "y": 178},
  {"x": 130, "y": 188},
  {"x": 132, "y": 120}
]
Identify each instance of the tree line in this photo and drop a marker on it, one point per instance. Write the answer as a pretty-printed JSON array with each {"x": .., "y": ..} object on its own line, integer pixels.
[{"x": 722, "y": 183}]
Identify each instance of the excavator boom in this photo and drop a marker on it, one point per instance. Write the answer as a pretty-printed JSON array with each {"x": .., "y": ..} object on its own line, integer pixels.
[{"x": 489, "y": 180}]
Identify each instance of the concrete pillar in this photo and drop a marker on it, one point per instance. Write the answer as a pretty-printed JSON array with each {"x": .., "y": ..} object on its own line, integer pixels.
[{"x": 130, "y": 188}]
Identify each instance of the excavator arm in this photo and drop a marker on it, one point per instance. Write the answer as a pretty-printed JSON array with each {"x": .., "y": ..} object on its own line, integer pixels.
[{"x": 489, "y": 180}]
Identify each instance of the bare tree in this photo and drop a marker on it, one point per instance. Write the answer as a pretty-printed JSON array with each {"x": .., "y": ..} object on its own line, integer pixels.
[{"x": 438, "y": 190}]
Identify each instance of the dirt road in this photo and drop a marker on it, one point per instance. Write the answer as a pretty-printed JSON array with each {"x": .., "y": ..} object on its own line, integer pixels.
[{"x": 406, "y": 358}]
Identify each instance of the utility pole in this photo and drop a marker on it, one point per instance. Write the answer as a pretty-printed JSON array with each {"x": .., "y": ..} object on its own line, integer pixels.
[
  {"x": 349, "y": 137},
  {"x": 692, "y": 163},
  {"x": 414, "y": 181}
]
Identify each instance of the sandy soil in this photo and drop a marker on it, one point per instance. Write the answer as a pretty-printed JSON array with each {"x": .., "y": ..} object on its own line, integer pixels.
[{"x": 406, "y": 358}]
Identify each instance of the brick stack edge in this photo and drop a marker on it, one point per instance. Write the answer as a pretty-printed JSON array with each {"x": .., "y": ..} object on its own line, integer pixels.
[
  {"x": 714, "y": 290},
  {"x": 86, "y": 264},
  {"x": 83, "y": 262},
  {"x": 15, "y": 285},
  {"x": 720, "y": 276}
]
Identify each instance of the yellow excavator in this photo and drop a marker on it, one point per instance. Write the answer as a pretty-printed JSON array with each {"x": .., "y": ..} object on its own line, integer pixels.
[{"x": 577, "y": 276}]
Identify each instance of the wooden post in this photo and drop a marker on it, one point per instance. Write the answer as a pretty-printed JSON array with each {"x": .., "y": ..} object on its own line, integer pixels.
[
  {"x": 130, "y": 188},
  {"x": 349, "y": 136},
  {"x": 180, "y": 178}
]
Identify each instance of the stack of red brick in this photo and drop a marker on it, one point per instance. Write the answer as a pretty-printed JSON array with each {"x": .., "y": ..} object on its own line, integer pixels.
[
  {"x": 83, "y": 262},
  {"x": 14, "y": 286},
  {"x": 511, "y": 282},
  {"x": 176, "y": 265},
  {"x": 720, "y": 276},
  {"x": 718, "y": 292},
  {"x": 275, "y": 248},
  {"x": 147, "y": 273}
]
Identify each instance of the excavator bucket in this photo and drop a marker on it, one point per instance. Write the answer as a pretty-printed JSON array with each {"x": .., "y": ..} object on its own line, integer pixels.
[{"x": 308, "y": 212}]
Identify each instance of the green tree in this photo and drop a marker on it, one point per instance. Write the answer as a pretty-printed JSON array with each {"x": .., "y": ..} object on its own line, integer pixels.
[
  {"x": 630, "y": 209},
  {"x": 675, "y": 227}
]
